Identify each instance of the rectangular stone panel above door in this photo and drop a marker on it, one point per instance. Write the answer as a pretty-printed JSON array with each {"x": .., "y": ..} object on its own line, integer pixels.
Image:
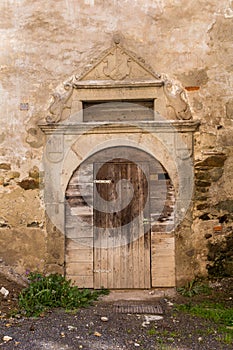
[{"x": 118, "y": 110}]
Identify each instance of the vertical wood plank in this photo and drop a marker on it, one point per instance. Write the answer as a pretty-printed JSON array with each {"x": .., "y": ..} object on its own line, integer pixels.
[{"x": 122, "y": 252}]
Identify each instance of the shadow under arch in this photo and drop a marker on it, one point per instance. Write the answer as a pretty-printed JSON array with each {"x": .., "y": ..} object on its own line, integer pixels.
[{"x": 82, "y": 192}]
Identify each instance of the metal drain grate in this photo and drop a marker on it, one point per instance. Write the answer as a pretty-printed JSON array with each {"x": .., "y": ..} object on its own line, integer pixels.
[{"x": 139, "y": 309}]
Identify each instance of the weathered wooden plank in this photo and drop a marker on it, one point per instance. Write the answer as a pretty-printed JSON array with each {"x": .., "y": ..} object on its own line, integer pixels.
[
  {"x": 104, "y": 269},
  {"x": 162, "y": 242},
  {"x": 79, "y": 201},
  {"x": 140, "y": 250},
  {"x": 82, "y": 211},
  {"x": 119, "y": 172},
  {"x": 82, "y": 281},
  {"x": 80, "y": 243},
  {"x": 81, "y": 268},
  {"x": 110, "y": 276},
  {"x": 97, "y": 268},
  {"x": 163, "y": 261},
  {"x": 79, "y": 220},
  {"x": 76, "y": 255},
  {"x": 147, "y": 257},
  {"x": 164, "y": 281},
  {"x": 129, "y": 253},
  {"x": 142, "y": 278},
  {"x": 79, "y": 231},
  {"x": 145, "y": 245},
  {"x": 166, "y": 246},
  {"x": 162, "y": 252},
  {"x": 99, "y": 224}
]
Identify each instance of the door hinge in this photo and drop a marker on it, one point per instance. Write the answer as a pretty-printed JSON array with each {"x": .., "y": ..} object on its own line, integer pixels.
[{"x": 102, "y": 181}]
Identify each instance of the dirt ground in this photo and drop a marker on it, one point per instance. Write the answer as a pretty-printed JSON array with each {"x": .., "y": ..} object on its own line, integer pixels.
[{"x": 103, "y": 327}]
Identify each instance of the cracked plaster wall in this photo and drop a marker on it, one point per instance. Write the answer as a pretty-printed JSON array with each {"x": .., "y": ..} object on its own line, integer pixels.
[{"x": 43, "y": 43}]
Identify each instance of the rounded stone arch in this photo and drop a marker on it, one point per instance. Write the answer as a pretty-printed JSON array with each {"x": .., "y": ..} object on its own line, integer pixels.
[
  {"x": 157, "y": 173},
  {"x": 81, "y": 227},
  {"x": 84, "y": 147},
  {"x": 78, "y": 147}
]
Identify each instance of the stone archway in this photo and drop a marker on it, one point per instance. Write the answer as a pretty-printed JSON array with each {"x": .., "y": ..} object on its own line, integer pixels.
[
  {"x": 103, "y": 248},
  {"x": 162, "y": 127}
]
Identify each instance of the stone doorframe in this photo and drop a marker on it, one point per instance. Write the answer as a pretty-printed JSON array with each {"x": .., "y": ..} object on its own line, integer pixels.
[{"x": 69, "y": 140}]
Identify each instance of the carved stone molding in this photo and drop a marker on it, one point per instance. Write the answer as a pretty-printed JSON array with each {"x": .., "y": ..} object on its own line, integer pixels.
[
  {"x": 116, "y": 74},
  {"x": 173, "y": 126},
  {"x": 118, "y": 63},
  {"x": 119, "y": 68}
]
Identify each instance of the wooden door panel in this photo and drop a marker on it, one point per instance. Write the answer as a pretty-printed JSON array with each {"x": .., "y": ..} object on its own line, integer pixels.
[{"x": 121, "y": 245}]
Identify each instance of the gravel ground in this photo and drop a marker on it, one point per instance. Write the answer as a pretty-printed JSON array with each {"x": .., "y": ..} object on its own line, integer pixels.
[{"x": 87, "y": 329}]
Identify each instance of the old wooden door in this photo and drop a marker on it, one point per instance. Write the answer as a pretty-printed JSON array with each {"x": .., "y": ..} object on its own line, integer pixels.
[{"x": 121, "y": 233}]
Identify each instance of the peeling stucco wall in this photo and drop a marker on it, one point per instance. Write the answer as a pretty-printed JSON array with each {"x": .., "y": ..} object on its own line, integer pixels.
[{"x": 43, "y": 43}]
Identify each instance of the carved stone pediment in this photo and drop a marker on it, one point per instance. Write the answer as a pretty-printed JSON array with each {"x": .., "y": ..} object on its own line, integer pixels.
[
  {"x": 118, "y": 64},
  {"x": 116, "y": 74}
]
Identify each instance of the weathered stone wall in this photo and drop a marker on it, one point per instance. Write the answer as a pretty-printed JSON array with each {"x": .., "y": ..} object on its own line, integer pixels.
[{"x": 44, "y": 42}]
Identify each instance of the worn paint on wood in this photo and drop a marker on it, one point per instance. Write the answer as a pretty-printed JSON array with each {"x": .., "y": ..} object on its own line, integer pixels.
[
  {"x": 163, "y": 261},
  {"x": 121, "y": 248},
  {"x": 118, "y": 257}
]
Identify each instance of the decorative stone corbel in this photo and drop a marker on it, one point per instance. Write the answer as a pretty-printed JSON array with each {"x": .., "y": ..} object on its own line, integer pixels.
[
  {"x": 59, "y": 103},
  {"x": 177, "y": 101},
  {"x": 35, "y": 137}
]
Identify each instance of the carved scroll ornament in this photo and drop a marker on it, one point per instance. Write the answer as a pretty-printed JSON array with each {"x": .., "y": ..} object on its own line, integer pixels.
[
  {"x": 59, "y": 103},
  {"x": 176, "y": 101}
]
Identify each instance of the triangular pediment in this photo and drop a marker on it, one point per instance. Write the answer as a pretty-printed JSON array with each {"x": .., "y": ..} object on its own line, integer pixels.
[{"x": 118, "y": 64}]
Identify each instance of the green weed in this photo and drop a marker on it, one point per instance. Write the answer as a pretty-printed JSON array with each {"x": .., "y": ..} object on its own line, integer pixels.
[
  {"x": 205, "y": 331},
  {"x": 152, "y": 331},
  {"x": 52, "y": 291},
  {"x": 216, "y": 312},
  {"x": 212, "y": 311},
  {"x": 225, "y": 337},
  {"x": 193, "y": 288}
]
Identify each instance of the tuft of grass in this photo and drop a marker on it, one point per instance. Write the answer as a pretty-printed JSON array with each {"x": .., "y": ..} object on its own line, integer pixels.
[
  {"x": 211, "y": 311},
  {"x": 216, "y": 312},
  {"x": 193, "y": 288},
  {"x": 152, "y": 331},
  {"x": 226, "y": 338},
  {"x": 53, "y": 291}
]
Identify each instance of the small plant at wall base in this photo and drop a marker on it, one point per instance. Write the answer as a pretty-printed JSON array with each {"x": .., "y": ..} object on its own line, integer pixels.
[
  {"x": 47, "y": 292},
  {"x": 193, "y": 288}
]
